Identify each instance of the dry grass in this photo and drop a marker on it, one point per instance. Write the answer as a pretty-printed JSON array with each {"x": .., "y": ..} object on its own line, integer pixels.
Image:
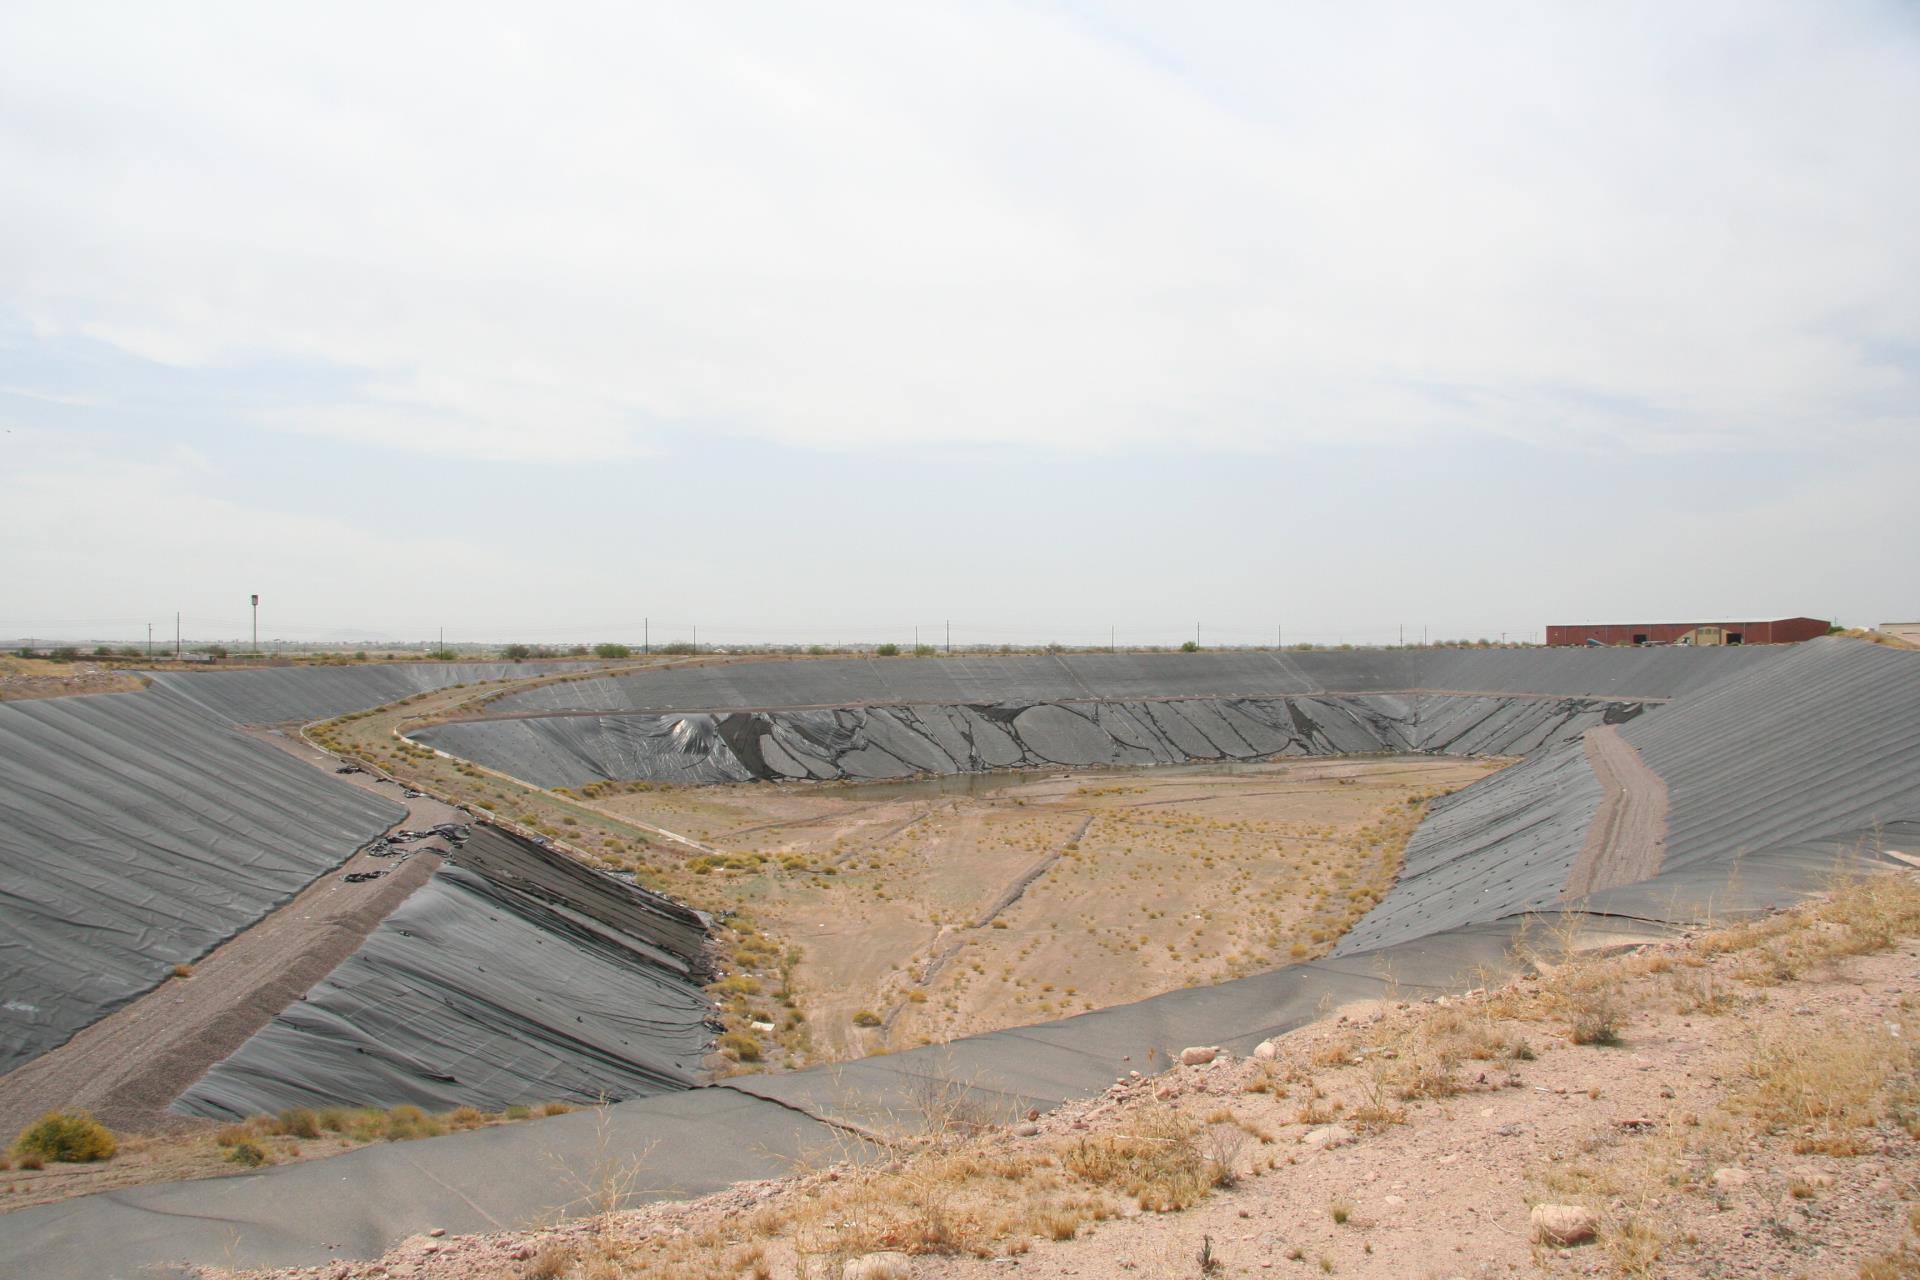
[
  {"x": 1155, "y": 1160},
  {"x": 1821, "y": 1088},
  {"x": 1826, "y": 1085}
]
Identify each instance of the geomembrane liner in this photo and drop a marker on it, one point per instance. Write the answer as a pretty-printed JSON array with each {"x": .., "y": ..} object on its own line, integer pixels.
[
  {"x": 136, "y": 833},
  {"x": 515, "y": 975}
]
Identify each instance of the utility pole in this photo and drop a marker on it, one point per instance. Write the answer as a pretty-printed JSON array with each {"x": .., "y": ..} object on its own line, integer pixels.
[
  {"x": 646, "y": 637},
  {"x": 1113, "y": 639},
  {"x": 256, "y": 622},
  {"x": 149, "y": 639},
  {"x": 1403, "y": 635},
  {"x": 916, "y": 642},
  {"x": 949, "y": 637},
  {"x": 176, "y": 635},
  {"x": 696, "y": 636}
]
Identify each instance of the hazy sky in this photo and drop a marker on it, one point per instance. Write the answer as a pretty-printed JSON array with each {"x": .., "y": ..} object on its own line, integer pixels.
[{"x": 826, "y": 320}]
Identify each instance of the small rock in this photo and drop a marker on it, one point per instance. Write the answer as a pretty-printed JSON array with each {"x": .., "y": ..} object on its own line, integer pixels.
[
  {"x": 437, "y": 1232},
  {"x": 1731, "y": 1177},
  {"x": 1266, "y": 1050},
  {"x": 879, "y": 1266},
  {"x": 1328, "y": 1136},
  {"x": 1563, "y": 1224},
  {"x": 1027, "y": 1130},
  {"x": 1198, "y": 1055}
]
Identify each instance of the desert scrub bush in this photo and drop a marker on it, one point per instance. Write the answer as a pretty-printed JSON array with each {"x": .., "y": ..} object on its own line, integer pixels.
[
  {"x": 866, "y": 1018},
  {"x": 68, "y": 1137},
  {"x": 740, "y": 1046},
  {"x": 249, "y": 1155},
  {"x": 297, "y": 1122},
  {"x": 1596, "y": 1016},
  {"x": 407, "y": 1122},
  {"x": 1156, "y": 1160}
]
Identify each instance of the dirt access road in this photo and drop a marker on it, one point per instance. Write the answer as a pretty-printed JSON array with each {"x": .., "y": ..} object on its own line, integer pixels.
[
  {"x": 128, "y": 1067},
  {"x": 1628, "y": 839}
]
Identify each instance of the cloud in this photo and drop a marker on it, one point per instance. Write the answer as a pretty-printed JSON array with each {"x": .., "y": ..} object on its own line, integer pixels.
[{"x": 551, "y": 235}]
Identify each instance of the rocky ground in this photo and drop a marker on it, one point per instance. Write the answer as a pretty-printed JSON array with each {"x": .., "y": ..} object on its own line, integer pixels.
[
  {"x": 23, "y": 678},
  {"x": 1743, "y": 1102}
]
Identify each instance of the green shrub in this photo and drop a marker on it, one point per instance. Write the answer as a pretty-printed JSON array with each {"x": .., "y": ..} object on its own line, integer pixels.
[
  {"x": 741, "y": 1046},
  {"x": 249, "y": 1155},
  {"x": 866, "y": 1018},
  {"x": 612, "y": 651},
  {"x": 1190, "y": 646},
  {"x": 888, "y": 650},
  {"x": 519, "y": 1111},
  {"x": 69, "y": 1137}
]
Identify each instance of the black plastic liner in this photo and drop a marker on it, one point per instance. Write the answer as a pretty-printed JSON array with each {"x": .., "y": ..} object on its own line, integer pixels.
[
  {"x": 846, "y": 682},
  {"x": 901, "y": 741},
  {"x": 136, "y": 833},
  {"x": 515, "y": 975},
  {"x": 274, "y": 695}
]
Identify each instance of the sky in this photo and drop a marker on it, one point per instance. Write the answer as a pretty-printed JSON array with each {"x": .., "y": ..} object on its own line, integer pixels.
[{"x": 1324, "y": 322}]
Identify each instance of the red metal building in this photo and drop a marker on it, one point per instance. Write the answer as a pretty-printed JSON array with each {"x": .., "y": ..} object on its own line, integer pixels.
[{"x": 1710, "y": 632}]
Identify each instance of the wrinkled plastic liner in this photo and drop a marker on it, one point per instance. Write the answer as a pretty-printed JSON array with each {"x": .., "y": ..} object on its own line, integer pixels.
[
  {"x": 136, "y": 833},
  {"x": 515, "y": 975}
]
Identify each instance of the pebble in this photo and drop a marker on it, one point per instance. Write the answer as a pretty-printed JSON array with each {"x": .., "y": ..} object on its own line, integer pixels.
[
  {"x": 1563, "y": 1224},
  {"x": 1198, "y": 1055},
  {"x": 1328, "y": 1136}
]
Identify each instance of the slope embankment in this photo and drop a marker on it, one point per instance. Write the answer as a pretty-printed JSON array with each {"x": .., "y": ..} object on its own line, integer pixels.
[
  {"x": 567, "y": 749},
  {"x": 514, "y": 974},
  {"x": 138, "y": 832}
]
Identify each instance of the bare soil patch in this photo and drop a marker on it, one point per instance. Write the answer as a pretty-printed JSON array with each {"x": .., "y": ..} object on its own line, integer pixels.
[{"x": 922, "y": 912}]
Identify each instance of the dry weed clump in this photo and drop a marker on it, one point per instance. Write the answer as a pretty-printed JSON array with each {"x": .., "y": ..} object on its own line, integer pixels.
[
  {"x": 1825, "y": 1085},
  {"x": 1156, "y": 1160}
]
